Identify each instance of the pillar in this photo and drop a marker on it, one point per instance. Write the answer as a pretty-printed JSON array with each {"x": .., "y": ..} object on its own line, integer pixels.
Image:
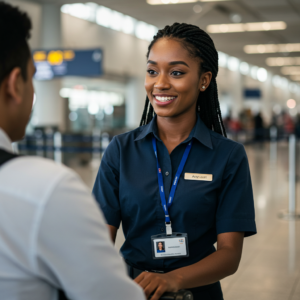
[
  {"x": 49, "y": 109},
  {"x": 135, "y": 101}
]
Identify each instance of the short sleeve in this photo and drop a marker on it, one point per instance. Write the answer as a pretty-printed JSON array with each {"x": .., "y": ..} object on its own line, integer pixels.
[
  {"x": 106, "y": 187},
  {"x": 235, "y": 211}
]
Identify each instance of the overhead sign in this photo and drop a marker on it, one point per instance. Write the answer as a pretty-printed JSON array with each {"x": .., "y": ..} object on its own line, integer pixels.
[
  {"x": 250, "y": 94},
  {"x": 58, "y": 63}
]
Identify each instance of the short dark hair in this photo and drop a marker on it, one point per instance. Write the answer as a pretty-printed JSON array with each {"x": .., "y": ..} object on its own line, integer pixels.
[
  {"x": 200, "y": 45},
  {"x": 15, "y": 27}
]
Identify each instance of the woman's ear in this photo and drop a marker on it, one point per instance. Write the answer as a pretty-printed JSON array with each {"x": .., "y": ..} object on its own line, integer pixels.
[{"x": 204, "y": 81}]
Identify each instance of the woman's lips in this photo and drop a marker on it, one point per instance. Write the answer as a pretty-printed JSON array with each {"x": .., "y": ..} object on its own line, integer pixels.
[{"x": 164, "y": 100}]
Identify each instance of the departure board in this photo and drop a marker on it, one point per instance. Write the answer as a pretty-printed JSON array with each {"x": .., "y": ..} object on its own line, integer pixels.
[{"x": 59, "y": 63}]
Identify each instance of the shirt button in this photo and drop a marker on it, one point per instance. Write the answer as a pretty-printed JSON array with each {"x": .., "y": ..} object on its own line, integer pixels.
[
  {"x": 167, "y": 173},
  {"x": 162, "y": 229}
]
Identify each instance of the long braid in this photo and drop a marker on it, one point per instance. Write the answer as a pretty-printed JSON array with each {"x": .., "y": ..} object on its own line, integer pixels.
[{"x": 200, "y": 45}]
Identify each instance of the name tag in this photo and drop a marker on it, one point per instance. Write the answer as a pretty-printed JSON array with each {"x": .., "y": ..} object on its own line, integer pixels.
[
  {"x": 170, "y": 246},
  {"x": 197, "y": 176}
]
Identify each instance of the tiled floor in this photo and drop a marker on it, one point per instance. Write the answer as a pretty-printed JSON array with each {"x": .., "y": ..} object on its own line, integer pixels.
[{"x": 270, "y": 266}]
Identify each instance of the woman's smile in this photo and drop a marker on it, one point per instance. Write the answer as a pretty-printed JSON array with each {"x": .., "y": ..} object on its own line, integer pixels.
[{"x": 163, "y": 99}]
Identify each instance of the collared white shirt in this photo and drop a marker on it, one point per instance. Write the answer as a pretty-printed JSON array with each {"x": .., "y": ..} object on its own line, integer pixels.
[{"x": 53, "y": 236}]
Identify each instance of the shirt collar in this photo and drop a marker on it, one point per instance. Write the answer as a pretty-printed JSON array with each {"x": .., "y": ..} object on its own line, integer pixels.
[
  {"x": 199, "y": 132},
  {"x": 5, "y": 142}
]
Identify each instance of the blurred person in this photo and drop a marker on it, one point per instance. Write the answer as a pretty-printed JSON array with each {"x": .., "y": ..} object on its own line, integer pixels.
[
  {"x": 288, "y": 124},
  {"x": 297, "y": 126},
  {"x": 259, "y": 130},
  {"x": 52, "y": 235},
  {"x": 177, "y": 178}
]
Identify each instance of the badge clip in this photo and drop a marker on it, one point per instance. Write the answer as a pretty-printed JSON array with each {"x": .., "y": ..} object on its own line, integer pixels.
[{"x": 168, "y": 229}]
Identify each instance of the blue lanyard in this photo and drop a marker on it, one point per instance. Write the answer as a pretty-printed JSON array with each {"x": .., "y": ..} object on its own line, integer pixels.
[{"x": 175, "y": 182}]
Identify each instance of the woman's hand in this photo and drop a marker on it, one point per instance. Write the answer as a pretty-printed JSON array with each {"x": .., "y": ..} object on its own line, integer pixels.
[{"x": 157, "y": 284}]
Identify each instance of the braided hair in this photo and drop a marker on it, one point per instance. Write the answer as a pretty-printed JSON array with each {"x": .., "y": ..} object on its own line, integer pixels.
[{"x": 200, "y": 45}]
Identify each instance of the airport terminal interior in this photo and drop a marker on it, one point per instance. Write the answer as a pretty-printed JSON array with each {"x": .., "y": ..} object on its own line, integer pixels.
[{"x": 90, "y": 60}]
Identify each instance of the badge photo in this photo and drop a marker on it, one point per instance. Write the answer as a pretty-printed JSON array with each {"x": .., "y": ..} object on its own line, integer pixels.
[{"x": 169, "y": 246}]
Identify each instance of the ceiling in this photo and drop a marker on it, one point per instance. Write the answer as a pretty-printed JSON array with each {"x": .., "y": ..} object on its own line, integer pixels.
[{"x": 218, "y": 13}]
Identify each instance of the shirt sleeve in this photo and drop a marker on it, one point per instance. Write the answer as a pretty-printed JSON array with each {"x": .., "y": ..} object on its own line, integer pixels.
[
  {"x": 106, "y": 187},
  {"x": 73, "y": 248},
  {"x": 235, "y": 211}
]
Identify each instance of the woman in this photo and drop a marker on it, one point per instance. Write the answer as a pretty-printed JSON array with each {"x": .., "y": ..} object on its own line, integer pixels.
[
  {"x": 177, "y": 178},
  {"x": 160, "y": 247}
]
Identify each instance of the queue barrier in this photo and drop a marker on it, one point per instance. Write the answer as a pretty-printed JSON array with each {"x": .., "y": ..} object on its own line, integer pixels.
[{"x": 56, "y": 144}]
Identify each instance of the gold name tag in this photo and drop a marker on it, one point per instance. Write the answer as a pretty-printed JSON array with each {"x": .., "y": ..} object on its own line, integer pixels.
[{"x": 195, "y": 176}]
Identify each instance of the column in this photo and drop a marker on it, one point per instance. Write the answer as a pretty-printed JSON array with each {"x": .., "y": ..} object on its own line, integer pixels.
[
  {"x": 135, "y": 101},
  {"x": 49, "y": 107}
]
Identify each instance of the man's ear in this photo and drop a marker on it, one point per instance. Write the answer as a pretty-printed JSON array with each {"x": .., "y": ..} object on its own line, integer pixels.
[{"x": 15, "y": 86}]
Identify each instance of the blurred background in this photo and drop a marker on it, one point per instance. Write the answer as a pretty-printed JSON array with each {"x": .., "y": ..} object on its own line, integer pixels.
[{"x": 90, "y": 60}]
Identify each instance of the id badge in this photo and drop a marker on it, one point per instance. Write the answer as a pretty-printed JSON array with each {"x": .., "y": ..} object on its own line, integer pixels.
[{"x": 169, "y": 246}]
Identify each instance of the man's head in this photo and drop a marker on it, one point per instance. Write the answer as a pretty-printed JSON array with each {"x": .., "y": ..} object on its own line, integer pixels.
[{"x": 16, "y": 71}]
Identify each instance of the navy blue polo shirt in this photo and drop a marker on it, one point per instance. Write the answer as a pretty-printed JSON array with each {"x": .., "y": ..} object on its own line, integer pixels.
[{"x": 126, "y": 189}]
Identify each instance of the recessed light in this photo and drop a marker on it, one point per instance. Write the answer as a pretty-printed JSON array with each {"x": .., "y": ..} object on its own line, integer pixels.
[
  {"x": 243, "y": 27},
  {"x": 272, "y": 48},
  {"x": 290, "y": 70},
  {"x": 197, "y": 8},
  {"x": 282, "y": 61}
]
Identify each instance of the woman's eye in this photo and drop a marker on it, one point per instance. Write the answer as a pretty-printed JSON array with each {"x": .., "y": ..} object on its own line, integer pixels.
[
  {"x": 177, "y": 73},
  {"x": 151, "y": 72}
]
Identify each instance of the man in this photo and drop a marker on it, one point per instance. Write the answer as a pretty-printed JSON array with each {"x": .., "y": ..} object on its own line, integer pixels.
[{"x": 52, "y": 235}]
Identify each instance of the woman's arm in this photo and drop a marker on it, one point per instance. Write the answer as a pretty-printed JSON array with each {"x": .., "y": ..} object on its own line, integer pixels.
[
  {"x": 218, "y": 265},
  {"x": 113, "y": 232}
]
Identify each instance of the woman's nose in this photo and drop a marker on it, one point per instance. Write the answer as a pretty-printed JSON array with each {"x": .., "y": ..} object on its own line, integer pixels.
[{"x": 162, "y": 83}]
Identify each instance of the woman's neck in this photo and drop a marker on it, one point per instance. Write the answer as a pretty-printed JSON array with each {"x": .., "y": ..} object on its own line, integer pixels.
[{"x": 173, "y": 131}]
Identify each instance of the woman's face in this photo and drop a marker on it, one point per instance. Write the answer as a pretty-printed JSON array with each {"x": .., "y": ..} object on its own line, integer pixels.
[
  {"x": 173, "y": 81},
  {"x": 160, "y": 246}
]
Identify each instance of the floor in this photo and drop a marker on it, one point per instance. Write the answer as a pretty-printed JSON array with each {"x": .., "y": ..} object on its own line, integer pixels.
[{"x": 270, "y": 266}]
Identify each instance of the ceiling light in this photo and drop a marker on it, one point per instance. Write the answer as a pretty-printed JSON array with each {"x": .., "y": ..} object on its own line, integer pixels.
[
  {"x": 236, "y": 18},
  {"x": 291, "y": 103},
  {"x": 272, "y": 48},
  {"x": 295, "y": 77},
  {"x": 128, "y": 25},
  {"x": 233, "y": 63},
  {"x": 213, "y": 0},
  {"x": 253, "y": 72},
  {"x": 290, "y": 70},
  {"x": 244, "y": 68},
  {"x": 116, "y": 20},
  {"x": 282, "y": 61},
  {"x": 104, "y": 16},
  {"x": 108, "y": 18},
  {"x": 197, "y": 8},
  {"x": 276, "y": 80},
  {"x": 222, "y": 59},
  {"x": 164, "y": 2},
  {"x": 293, "y": 87},
  {"x": 262, "y": 74},
  {"x": 242, "y": 27}
]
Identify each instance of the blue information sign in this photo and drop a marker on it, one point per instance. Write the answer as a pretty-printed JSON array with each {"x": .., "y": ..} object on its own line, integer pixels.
[
  {"x": 250, "y": 94},
  {"x": 59, "y": 63}
]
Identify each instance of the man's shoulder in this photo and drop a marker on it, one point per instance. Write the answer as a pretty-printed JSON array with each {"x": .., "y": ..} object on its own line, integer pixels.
[{"x": 32, "y": 178}]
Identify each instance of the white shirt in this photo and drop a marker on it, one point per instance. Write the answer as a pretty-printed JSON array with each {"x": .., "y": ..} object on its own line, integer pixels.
[{"x": 53, "y": 236}]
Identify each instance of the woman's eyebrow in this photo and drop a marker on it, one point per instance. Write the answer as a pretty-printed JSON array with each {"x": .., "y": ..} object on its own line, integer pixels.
[
  {"x": 172, "y": 63},
  {"x": 178, "y": 63}
]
